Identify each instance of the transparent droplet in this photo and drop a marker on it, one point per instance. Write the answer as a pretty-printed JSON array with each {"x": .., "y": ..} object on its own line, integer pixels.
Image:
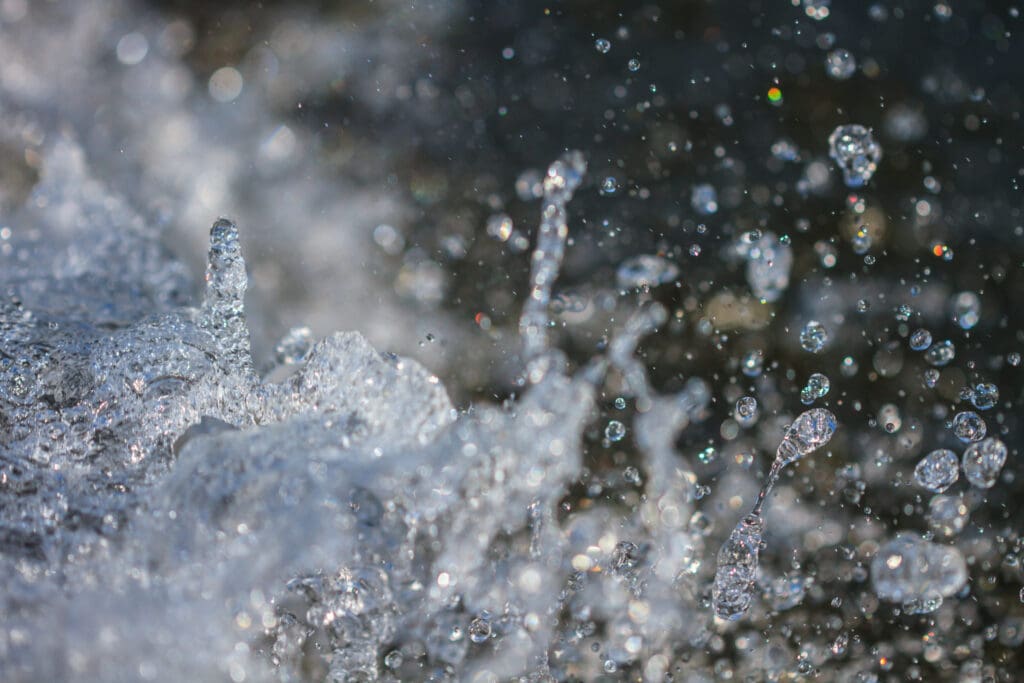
[
  {"x": 615, "y": 431},
  {"x": 633, "y": 65},
  {"x": 911, "y": 568},
  {"x": 856, "y": 153},
  {"x": 985, "y": 396},
  {"x": 746, "y": 410},
  {"x": 752, "y": 363},
  {"x": 707, "y": 455},
  {"x": 817, "y": 387},
  {"x": 294, "y": 346},
  {"x": 704, "y": 199},
  {"x": 479, "y": 630},
  {"x": 983, "y": 462},
  {"x": 940, "y": 354},
  {"x": 947, "y": 515},
  {"x": 840, "y": 64},
  {"x": 602, "y": 45},
  {"x": 810, "y": 431},
  {"x": 813, "y": 337},
  {"x": 920, "y": 339},
  {"x": 733, "y": 588},
  {"x": 968, "y": 426},
  {"x": 646, "y": 271},
  {"x": 966, "y": 310},
  {"x": 500, "y": 226},
  {"x": 938, "y": 470}
]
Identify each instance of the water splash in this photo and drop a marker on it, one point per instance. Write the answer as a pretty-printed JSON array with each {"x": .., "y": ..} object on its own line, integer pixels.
[{"x": 734, "y": 584}]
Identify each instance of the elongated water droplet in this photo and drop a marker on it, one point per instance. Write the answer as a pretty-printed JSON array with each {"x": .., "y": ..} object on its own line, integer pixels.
[{"x": 737, "y": 568}]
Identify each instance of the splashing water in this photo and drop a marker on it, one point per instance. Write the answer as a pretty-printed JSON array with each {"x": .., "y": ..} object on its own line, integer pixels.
[{"x": 734, "y": 584}]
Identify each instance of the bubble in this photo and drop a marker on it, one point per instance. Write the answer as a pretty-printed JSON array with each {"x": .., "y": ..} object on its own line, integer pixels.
[
  {"x": 615, "y": 431},
  {"x": 813, "y": 337},
  {"x": 985, "y": 396},
  {"x": 225, "y": 84},
  {"x": 940, "y": 354},
  {"x": 840, "y": 64},
  {"x": 704, "y": 199},
  {"x": 746, "y": 410},
  {"x": 968, "y": 426},
  {"x": 920, "y": 339},
  {"x": 817, "y": 387},
  {"x": 983, "y": 462},
  {"x": 602, "y": 45},
  {"x": 938, "y": 470},
  {"x": 633, "y": 65},
  {"x": 609, "y": 186},
  {"x": 856, "y": 153},
  {"x": 966, "y": 310}
]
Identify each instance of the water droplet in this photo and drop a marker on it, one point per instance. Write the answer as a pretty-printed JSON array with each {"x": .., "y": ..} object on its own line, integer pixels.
[
  {"x": 940, "y": 354},
  {"x": 810, "y": 431},
  {"x": 633, "y": 65},
  {"x": 856, "y": 153},
  {"x": 840, "y": 64},
  {"x": 294, "y": 346},
  {"x": 947, "y": 515},
  {"x": 769, "y": 262},
  {"x": 746, "y": 410},
  {"x": 966, "y": 310},
  {"x": 707, "y": 455},
  {"x": 704, "y": 199},
  {"x": 479, "y": 630},
  {"x": 813, "y": 337},
  {"x": 985, "y": 396},
  {"x": 615, "y": 431},
  {"x": 937, "y": 471},
  {"x": 968, "y": 426},
  {"x": 733, "y": 589},
  {"x": 983, "y": 462},
  {"x": 920, "y": 339},
  {"x": 500, "y": 226},
  {"x": 817, "y": 387},
  {"x": 646, "y": 271},
  {"x": 602, "y": 45},
  {"x": 911, "y": 568}
]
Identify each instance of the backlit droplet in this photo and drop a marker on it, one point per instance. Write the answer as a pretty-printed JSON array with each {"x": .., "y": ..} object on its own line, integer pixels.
[
  {"x": 983, "y": 462},
  {"x": 733, "y": 589},
  {"x": 746, "y": 410},
  {"x": 938, "y": 470},
  {"x": 968, "y": 426},
  {"x": 910, "y": 568},
  {"x": 813, "y": 337},
  {"x": 602, "y": 45},
  {"x": 840, "y": 64},
  {"x": 920, "y": 340},
  {"x": 817, "y": 387},
  {"x": 615, "y": 431},
  {"x": 856, "y": 153}
]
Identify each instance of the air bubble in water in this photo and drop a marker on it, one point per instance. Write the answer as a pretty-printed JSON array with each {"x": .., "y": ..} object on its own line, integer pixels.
[
  {"x": 856, "y": 153},
  {"x": 920, "y": 339},
  {"x": 813, "y": 337},
  {"x": 817, "y": 387},
  {"x": 840, "y": 64},
  {"x": 938, "y": 470},
  {"x": 615, "y": 431},
  {"x": 968, "y": 426},
  {"x": 983, "y": 462}
]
